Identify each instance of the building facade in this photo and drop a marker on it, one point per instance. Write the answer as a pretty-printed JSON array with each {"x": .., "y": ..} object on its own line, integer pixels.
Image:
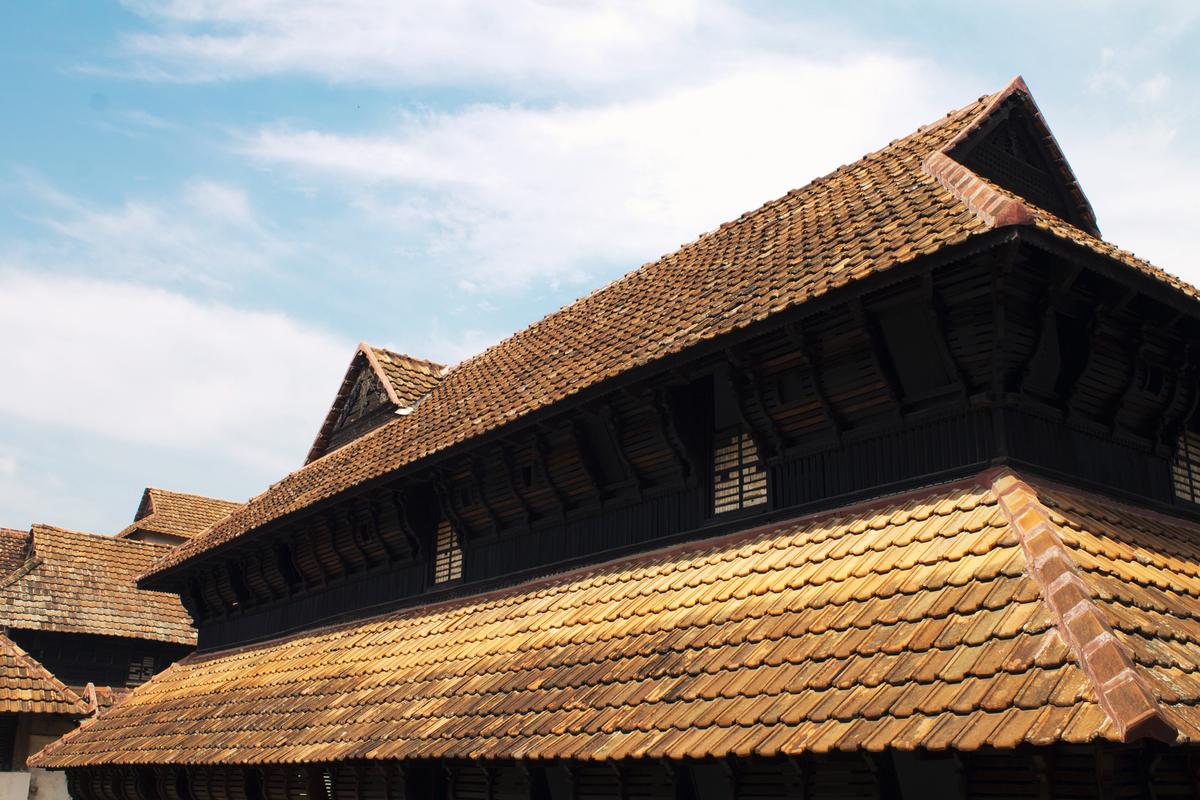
[
  {"x": 77, "y": 634},
  {"x": 887, "y": 488}
]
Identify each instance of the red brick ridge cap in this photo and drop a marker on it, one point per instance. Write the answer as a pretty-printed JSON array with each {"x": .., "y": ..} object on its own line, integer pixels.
[
  {"x": 373, "y": 360},
  {"x": 987, "y": 201},
  {"x": 1122, "y": 692}
]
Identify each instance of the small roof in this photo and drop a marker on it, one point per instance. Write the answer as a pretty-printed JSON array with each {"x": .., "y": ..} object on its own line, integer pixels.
[
  {"x": 993, "y": 611},
  {"x": 73, "y": 582},
  {"x": 14, "y": 547},
  {"x": 909, "y": 200},
  {"x": 28, "y": 687},
  {"x": 405, "y": 380},
  {"x": 176, "y": 513}
]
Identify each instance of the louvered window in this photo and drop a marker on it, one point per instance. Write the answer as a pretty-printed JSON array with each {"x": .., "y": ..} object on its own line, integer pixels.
[
  {"x": 739, "y": 479},
  {"x": 140, "y": 670},
  {"x": 448, "y": 555},
  {"x": 1186, "y": 469}
]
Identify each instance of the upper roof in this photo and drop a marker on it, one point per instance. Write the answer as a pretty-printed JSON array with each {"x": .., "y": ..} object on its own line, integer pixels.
[
  {"x": 891, "y": 207},
  {"x": 74, "y": 582},
  {"x": 176, "y": 513},
  {"x": 403, "y": 381},
  {"x": 987, "y": 612},
  {"x": 28, "y": 687}
]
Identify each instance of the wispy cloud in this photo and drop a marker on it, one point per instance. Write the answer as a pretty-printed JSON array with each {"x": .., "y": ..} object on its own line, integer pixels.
[
  {"x": 530, "y": 44},
  {"x": 208, "y": 233},
  {"x": 502, "y": 195}
]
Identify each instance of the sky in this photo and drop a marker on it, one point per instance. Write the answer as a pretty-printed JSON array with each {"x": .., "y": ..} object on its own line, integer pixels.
[{"x": 206, "y": 204}]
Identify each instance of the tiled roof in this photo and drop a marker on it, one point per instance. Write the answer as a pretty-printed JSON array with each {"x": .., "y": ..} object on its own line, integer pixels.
[
  {"x": 83, "y": 583},
  {"x": 14, "y": 545},
  {"x": 177, "y": 513},
  {"x": 406, "y": 381},
  {"x": 882, "y": 211},
  {"x": 28, "y": 687},
  {"x": 932, "y": 619}
]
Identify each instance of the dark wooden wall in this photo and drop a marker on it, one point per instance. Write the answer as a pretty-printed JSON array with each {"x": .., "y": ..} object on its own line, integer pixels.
[
  {"x": 1009, "y": 355},
  {"x": 77, "y": 658},
  {"x": 1102, "y": 771}
]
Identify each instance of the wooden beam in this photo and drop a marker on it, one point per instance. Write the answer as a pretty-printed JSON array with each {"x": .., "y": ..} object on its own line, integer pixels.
[
  {"x": 741, "y": 363},
  {"x": 587, "y": 460},
  {"x": 476, "y": 472},
  {"x": 795, "y": 331},
  {"x": 400, "y": 504},
  {"x": 323, "y": 524},
  {"x": 368, "y": 511},
  {"x": 506, "y": 458},
  {"x": 879, "y": 356},
  {"x": 937, "y": 316},
  {"x": 669, "y": 431},
  {"x": 447, "y": 506},
  {"x": 541, "y": 455},
  {"x": 341, "y": 524},
  {"x": 611, "y": 420}
]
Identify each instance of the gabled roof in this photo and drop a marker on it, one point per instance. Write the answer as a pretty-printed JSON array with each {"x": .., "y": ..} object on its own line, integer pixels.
[
  {"x": 891, "y": 207},
  {"x": 404, "y": 381},
  {"x": 176, "y": 513},
  {"x": 28, "y": 687},
  {"x": 14, "y": 547},
  {"x": 988, "y": 612},
  {"x": 73, "y": 582}
]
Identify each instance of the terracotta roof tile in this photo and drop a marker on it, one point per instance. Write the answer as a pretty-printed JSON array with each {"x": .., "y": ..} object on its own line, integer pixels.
[
  {"x": 405, "y": 380},
  {"x": 14, "y": 546},
  {"x": 879, "y": 212},
  {"x": 177, "y": 513},
  {"x": 913, "y": 621},
  {"x": 28, "y": 687},
  {"x": 84, "y": 583}
]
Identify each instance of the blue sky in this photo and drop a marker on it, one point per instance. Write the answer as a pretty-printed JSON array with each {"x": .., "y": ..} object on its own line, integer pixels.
[{"x": 205, "y": 205}]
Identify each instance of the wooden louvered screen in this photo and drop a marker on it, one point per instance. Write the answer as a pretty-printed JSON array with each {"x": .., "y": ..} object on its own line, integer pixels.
[
  {"x": 1185, "y": 471},
  {"x": 448, "y": 555},
  {"x": 739, "y": 480}
]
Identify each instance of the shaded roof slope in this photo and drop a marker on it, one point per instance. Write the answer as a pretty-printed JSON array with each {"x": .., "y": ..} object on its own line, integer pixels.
[
  {"x": 177, "y": 513},
  {"x": 28, "y": 687},
  {"x": 75, "y": 582},
  {"x": 405, "y": 381},
  {"x": 889, "y": 208},
  {"x": 919, "y": 620}
]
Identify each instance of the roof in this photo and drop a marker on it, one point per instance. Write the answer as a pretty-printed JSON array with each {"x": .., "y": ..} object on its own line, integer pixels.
[
  {"x": 14, "y": 545},
  {"x": 988, "y": 612},
  {"x": 75, "y": 582},
  {"x": 890, "y": 208},
  {"x": 28, "y": 687},
  {"x": 176, "y": 513},
  {"x": 405, "y": 380}
]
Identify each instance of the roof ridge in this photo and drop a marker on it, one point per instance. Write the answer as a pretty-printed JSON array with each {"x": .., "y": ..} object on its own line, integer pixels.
[{"x": 1105, "y": 659}]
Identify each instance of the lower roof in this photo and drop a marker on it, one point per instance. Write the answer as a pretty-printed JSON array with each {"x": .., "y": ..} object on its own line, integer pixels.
[
  {"x": 987, "y": 612},
  {"x": 28, "y": 687}
]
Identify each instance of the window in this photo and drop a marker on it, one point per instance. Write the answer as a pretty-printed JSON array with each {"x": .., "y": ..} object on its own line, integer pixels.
[
  {"x": 448, "y": 555},
  {"x": 739, "y": 480},
  {"x": 140, "y": 670},
  {"x": 1185, "y": 471}
]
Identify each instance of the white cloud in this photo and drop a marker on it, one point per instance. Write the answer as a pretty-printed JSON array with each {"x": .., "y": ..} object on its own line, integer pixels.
[
  {"x": 8, "y": 466},
  {"x": 208, "y": 233},
  {"x": 508, "y": 194},
  {"x": 532, "y": 44},
  {"x": 148, "y": 366}
]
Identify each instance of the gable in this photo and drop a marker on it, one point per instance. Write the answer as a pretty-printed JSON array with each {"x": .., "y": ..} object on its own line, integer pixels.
[
  {"x": 366, "y": 396},
  {"x": 1014, "y": 149}
]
